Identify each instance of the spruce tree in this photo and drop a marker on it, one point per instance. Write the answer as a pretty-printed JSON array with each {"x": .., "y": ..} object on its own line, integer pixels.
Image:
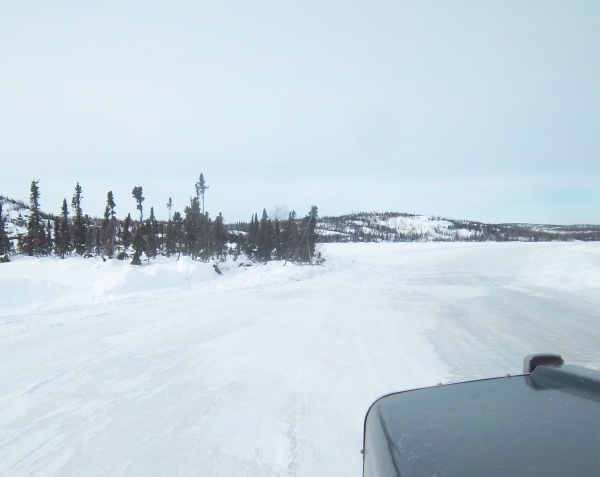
[
  {"x": 42, "y": 240},
  {"x": 63, "y": 242},
  {"x": 201, "y": 189},
  {"x": 20, "y": 243},
  {"x": 126, "y": 237},
  {"x": 264, "y": 242},
  {"x": 251, "y": 237},
  {"x": 169, "y": 239},
  {"x": 219, "y": 236},
  {"x": 137, "y": 195},
  {"x": 278, "y": 240},
  {"x": 202, "y": 224},
  {"x": 48, "y": 242},
  {"x": 204, "y": 232},
  {"x": 109, "y": 225},
  {"x": 160, "y": 236},
  {"x": 36, "y": 235},
  {"x": 170, "y": 206},
  {"x": 91, "y": 233},
  {"x": 98, "y": 249},
  {"x": 307, "y": 245},
  {"x": 78, "y": 235},
  {"x": 177, "y": 233},
  {"x": 5, "y": 244},
  {"x": 57, "y": 236},
  {"x": 139, "y": 244},
  {"x": 151, "y": 238},
  {"x": 193, "y": 229},
  {"x": 290, "y": 236}
]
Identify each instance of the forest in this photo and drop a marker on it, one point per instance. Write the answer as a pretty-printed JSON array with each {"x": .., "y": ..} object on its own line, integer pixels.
[{"x": 192, "y": 232}]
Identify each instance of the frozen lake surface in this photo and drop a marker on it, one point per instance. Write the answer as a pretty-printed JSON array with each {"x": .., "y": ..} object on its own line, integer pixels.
[{"x": 171, "y": 370}]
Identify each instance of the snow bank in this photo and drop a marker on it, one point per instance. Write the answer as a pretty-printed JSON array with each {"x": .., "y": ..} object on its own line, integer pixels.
[
  {"x": 575, "y": 266},
  {"x": 29, "y": 283}
]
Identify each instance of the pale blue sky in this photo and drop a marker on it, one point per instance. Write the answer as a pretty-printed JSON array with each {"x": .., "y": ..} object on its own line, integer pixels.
[{"x": 466, "y": 109}]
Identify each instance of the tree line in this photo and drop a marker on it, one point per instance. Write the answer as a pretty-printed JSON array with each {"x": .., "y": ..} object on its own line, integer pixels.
[{"x": 191, "y": 232}]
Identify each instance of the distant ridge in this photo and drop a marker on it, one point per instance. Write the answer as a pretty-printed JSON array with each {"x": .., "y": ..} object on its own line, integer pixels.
[
  {"x": 387, "y": 227},
  {"x": 402, "y": 227}
]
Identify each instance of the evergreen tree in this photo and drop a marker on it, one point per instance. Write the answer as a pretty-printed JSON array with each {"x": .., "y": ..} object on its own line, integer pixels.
[
  {"x": 20, "y": 243},
  {"x": 239, "y": 245},
  {"x": 169, "y": 239},
  {"x": 109, "y": 226},
  {"x": 306, "y": 248},
  {"x": 303, "y": 250},
  {"x": 201, "y": 189},
  {"x": 78, "y": 235},
  {"x": 170, "y": 206},
  {"x": 63, "y": 241},
  {"x": 137, "y": 195},
  {"x": 48, "y": 242},
  {"x": 278, "y": 240},
  {"x": 251, "y": 237},
  {"x": 126, "y": 237},
  {"x": 290, "y": 236},
  {"x": 20, "y": 222},
  {"x": 98, "y": 250},
  {"x": 41, "y": 243},
  {"x": 177, "y": 233},
  {"x": 193, "y": 229},
  {"x": 264, "y": 235},
  {"x": 57, "y": 236},
  {"x": 151, "y": 239},
  {"x": 205, "y": 233},
  {"x": 219, "y": 236},
  {"x": 5, "y": 244},
  {"x": 36, "y": 235},
  {"x": 91, "y": 233},
  {"x": 139, "y": 245},
  {"x": 160, "y": 236},
  {"x": 203, "y": 221}
]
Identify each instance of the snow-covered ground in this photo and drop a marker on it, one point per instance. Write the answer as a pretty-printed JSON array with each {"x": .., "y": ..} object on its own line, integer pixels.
[
  {"x": 14, "y": 216},
  {"x": 170, "y": 370},
  {"x": 415, "y": 227}
]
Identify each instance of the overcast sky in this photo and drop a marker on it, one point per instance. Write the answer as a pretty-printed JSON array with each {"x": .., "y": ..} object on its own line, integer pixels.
[{"x": 465, "y": 109}]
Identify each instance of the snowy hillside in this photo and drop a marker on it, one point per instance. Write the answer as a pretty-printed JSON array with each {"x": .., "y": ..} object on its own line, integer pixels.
[
  {"x": 14, "y": 215},
  {"x": 391, "y": 227},
  {"x": 399, "y": 227},
  {"x": 171, "y": 369}
]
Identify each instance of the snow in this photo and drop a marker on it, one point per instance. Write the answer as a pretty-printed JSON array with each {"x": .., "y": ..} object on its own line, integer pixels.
[
  {"x": 416, "y": 224},
  {"x": 386, "y": 225},
  {"x": 171, "y": 369},
  {"x": 15, "y": 217}
]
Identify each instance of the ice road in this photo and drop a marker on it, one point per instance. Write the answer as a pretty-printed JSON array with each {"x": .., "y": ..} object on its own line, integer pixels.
[{"x": 171, "y": 370}]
